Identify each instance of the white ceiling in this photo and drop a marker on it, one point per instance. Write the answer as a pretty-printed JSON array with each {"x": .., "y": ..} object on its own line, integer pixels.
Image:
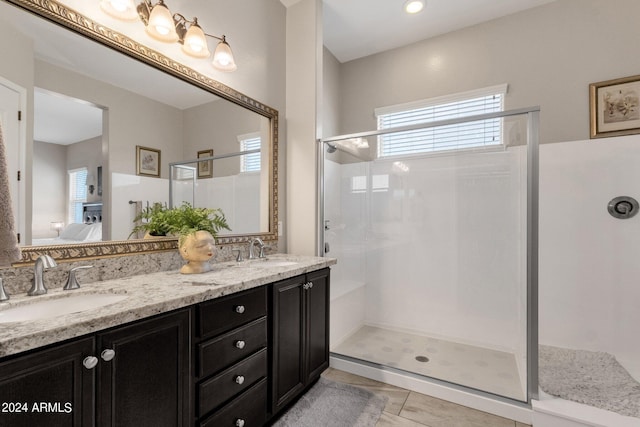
[
  {"x": 63, "y": 120},
  {"x": 356, "y": 28}
]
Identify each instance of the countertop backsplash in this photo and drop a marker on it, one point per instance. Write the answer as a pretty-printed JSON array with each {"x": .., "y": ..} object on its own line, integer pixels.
[{"x": 18, "y": 280}]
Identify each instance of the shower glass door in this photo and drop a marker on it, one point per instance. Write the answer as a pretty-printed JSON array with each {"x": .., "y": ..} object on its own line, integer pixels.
[{"x": 434, "y": 256}]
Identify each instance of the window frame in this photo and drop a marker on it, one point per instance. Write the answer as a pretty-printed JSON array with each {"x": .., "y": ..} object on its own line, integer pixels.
[
  {"x": 73, "y": 202},
  {"x": 434, "y": 102},
  {"x": 242, "y": 139}
]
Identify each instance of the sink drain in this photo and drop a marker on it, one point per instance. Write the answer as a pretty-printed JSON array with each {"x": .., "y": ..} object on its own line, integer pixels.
[{"x": 422, "y": 358}]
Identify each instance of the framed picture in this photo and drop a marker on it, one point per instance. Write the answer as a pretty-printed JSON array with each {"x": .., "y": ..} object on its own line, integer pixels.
[
  {"x": 614, "y": 107},
  {"x": 205, "y": 168},
  {"x": 147, "y": 161}
]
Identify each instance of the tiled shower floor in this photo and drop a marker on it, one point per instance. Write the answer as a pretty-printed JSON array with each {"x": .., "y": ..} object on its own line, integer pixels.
[{"x": 477, "y": 367}]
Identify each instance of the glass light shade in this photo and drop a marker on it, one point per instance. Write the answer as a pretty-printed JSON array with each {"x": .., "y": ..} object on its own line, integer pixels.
[
  {"x": 223, "y": 57},
  {"x": 195, "y": 42},
  {"x": 120, "y": 9},
  {"x": 161, "y": 26},
  {"x": 413, "y": 6}
]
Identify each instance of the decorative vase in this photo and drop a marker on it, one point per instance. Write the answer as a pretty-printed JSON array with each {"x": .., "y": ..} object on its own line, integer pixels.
[{"x": 197, "y": 249}]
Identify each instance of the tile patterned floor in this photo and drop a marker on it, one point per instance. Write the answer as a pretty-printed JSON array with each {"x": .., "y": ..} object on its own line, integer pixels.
[
  {"x": 480, "y": 368},
  {"x": 410, "y": 409}
]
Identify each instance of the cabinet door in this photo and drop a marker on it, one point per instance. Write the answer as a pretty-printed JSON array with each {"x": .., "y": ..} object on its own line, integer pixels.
[
  {"x": 48, "y": 388},
  {"x": 317, "y": 319},
  {"x": 288, "y": 341},
  {"x": 146, "y": 383}
]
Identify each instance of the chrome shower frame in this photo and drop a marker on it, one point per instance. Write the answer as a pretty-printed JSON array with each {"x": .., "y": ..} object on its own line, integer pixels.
[{"x": 533, "y": 120}]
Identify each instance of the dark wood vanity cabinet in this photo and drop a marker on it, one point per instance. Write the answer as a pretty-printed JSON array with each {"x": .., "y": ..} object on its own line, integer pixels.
[
  {"x": 235, "y": 360},
  {"x": 146, "y": 380},
  {"x": 48, "y": 388},
  {"x": 232, "y": 360},
  {"x": 133, "y": 375},
  {"x": 300, "y": 326}
]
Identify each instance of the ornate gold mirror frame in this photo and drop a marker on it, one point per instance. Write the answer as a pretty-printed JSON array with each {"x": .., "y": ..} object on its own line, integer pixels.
[{"x": 74, "y": 21}]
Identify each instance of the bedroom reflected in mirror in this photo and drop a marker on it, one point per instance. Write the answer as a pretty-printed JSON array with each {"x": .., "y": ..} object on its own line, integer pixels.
[{"x": 67, "y": 164}]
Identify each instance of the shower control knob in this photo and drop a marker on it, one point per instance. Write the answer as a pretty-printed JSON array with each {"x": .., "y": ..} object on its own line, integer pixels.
[
  {"x": 240, "y": 344},
  {"x": 623, "y": 207},
  {"x": 240, "y": 309}
]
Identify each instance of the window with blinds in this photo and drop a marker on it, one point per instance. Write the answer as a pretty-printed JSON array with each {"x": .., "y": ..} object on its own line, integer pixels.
[
  {"x": 451, "y": 137},
  {"x": 77, "y": 194},
  {"x": 250, "y": 162}
]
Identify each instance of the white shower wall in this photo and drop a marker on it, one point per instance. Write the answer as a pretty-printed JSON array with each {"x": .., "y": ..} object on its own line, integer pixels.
[
  {"x": 589, "y": 261},
  {"x": 437, "y": 243}
]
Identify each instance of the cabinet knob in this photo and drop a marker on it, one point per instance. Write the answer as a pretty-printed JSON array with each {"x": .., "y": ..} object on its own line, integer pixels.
[
  {"x": 108, "y": 354},
  {"x": 90, "y": 362},
  {"x": 239, "y": 379},
  {"x": 239, "y": 422},
  {"x": 310, "y": 285},
  {"x": 240, "y": 309},
  {"x": 240, "y": 344}
]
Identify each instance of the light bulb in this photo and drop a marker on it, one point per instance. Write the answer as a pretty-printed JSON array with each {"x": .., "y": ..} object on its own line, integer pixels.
[
  {"x": 223, "y": 57},
  {"x": 161, "y": 26},
  {"x": 413, "y": 6},
  {"x": 121, "y": 9},
  {"x": 195, "y": 42}
]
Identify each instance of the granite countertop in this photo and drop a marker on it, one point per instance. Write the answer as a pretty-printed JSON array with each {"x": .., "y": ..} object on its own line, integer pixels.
[{"x": 147, "y": 295}]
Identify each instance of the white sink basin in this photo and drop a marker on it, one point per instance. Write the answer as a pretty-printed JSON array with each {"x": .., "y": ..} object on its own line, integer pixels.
[
  {"x": 271, "y": 263},
  {"x": 58, "y": 307}
]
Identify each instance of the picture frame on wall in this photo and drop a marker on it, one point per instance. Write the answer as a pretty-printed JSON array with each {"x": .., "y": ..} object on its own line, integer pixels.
[
  {"x": 205, "y": 168},
  {"x": 614, "y": 107},
  {"x": 147, "y": 161}
]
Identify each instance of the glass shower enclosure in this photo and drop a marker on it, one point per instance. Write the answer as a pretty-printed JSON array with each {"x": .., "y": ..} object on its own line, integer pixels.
[{"x": 437, "y": 255}]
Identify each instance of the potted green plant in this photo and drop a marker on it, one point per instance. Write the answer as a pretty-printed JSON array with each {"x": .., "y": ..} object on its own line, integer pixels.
[
  {"x": 152, "y": 221},
  {"x": 197, "y": 229}
]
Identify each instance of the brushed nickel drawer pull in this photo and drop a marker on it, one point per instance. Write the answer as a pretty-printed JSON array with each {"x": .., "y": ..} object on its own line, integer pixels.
[
  {"x": 239, "y": 422},
  {"x": 240, "y": 379},
  {"x": 90, "y": 362},
  {"x": 107, "y": 354},
  {"x": 240, "y": 309},
  {"x": 240, "y": 344}
]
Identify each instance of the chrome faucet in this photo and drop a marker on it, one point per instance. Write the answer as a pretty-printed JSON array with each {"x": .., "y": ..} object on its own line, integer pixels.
[
  {"x": 43, "y": 262},
  {"x": 72, "y": 281},
  {"x": 260, "y": 245}
]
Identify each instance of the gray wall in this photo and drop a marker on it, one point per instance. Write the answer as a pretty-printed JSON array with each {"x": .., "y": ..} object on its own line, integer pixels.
[{"x": 548, "y": 56}]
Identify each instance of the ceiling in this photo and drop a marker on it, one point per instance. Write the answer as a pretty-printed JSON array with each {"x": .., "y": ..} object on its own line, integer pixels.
[{"x": 356, "y": 28}]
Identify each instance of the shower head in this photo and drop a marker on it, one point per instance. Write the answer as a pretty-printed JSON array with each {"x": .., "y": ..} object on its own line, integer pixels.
[{"x": 330, "y": 148}]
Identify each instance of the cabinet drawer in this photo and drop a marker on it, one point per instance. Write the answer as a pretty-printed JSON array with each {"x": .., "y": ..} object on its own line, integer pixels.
[
  {"x": 250, "y": 407},
  {"x": 218, "y": 353},
  {"x": 217, "y": 316},
  {"x": 217, "y": 390}
]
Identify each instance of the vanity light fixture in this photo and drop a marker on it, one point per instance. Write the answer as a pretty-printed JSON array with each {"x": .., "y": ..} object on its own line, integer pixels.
[
  {"x": 223, "y": 57},
  {"x": 160, "y": 24},
  {"x": 413, "y": 6},
  {"x": 170, "y": 28},
  {"x": 121, "y": 9},
  {"x": 194, "y": 42}
]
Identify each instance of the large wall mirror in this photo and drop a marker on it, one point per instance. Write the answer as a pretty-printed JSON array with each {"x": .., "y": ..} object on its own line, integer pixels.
[{"x": 104, "y": 115}]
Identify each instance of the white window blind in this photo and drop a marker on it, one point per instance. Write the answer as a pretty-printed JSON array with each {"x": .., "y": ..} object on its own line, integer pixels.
[
  {"x": 250, "y": 162},
  {"x": 452, "y": 137},
  {"x": 77, "y": 194}
]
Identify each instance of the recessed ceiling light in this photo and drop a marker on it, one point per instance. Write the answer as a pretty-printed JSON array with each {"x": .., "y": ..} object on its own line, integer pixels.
[{"x": 413, "y": 6}]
